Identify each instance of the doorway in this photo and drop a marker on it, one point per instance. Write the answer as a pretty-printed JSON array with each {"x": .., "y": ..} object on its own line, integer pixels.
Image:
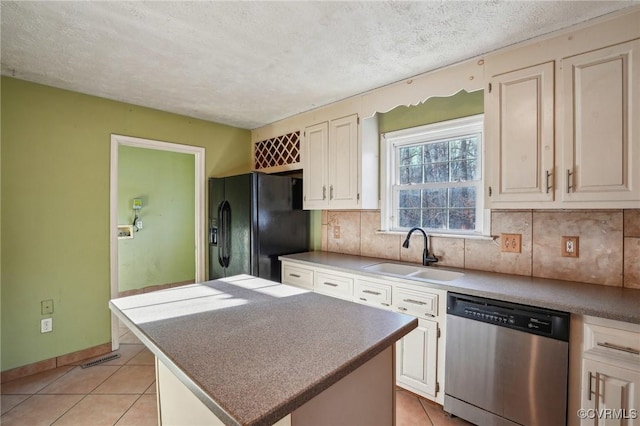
[{"x": 198, "y": 153}]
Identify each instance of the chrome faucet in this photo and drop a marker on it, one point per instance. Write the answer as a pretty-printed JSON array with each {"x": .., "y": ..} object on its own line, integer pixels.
[{"x": 426, "y": 258}]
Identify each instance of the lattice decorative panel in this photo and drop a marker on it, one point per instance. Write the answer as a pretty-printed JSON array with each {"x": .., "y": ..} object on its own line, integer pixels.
[{"x": 278, "y": 151}]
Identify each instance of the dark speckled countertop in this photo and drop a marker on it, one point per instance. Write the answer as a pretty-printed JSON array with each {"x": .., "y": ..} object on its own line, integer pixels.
[
  {"x": 617, "y": 303},
  {"x": 253, "y": 350}
]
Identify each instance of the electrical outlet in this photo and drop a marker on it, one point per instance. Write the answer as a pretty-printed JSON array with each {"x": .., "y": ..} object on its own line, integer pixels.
[
  {"x": 511, "y": 243},
  {"x": 46, "y": 307},
  {"x": 336, "y": 232},
  {"x": 46, "y": 325},
  {"x": 570, "y": 246}
]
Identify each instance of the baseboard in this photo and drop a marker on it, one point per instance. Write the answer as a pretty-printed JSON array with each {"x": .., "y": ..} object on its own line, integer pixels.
[
  {"x": 72, "y": 358},
  {"x": 153, "y": 288}
]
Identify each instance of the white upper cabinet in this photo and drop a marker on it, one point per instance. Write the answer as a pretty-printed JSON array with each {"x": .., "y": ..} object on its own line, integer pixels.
[
  {"x": 520, "y": 111},
  {"x": 316, "y": 173},
  {"x": 343, "y": 164},
  {"x": 340, "y": 158},
  {"x": 601, "y": 124},
  {"x": 562, "y": 128}
]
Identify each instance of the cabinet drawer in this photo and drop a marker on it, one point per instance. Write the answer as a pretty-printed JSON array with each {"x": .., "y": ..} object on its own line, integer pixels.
[
  {"x": 334, "y": 285},
  {"x": 612, "y": 343},
  {"x": 373, "y": 293},
  {"x": 297, "y": 276},
  {"x": 417, "y": 303}
]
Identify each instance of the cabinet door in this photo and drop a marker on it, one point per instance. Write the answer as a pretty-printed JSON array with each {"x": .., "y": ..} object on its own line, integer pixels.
[
  {"x": 315, "y": 175},
  {"x": 416, "y": 356},
  {"x": 610, "y": 394},
  {"x": 601, "y": 129},
  {"x": 343, "y": 163},
  {"x": 519, "y": 133}
]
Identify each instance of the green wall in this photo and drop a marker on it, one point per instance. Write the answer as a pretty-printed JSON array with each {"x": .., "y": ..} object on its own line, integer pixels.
[
  {"x": 162, "y": 252},
  {"x": 433, "y": 110},
  {"x": 55, "y": 208}
]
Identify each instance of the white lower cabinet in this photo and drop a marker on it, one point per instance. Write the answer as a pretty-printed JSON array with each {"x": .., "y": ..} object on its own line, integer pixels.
[
  {"x": 297, "y": 276},
  {"x": 416, "y": 359},
  {"x": 373, "y": 292},
  {"x": 611, "y": 394},
  {"x": 333, "y": 284},
  {"x": 420, "y": 354},
  {"x": 610, "y": 391}
]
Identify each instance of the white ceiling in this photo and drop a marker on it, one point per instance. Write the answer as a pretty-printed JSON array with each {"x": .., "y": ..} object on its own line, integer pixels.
[{"x": 248, "y": 64}]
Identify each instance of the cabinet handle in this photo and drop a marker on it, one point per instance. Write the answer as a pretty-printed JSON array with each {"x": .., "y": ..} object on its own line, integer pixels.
[
  {"x": 402, "y": 308},
  {"x": 331, "y": 192},
  {"x": 294, "y": 275},
  {"x": 619, "y": 348},
  {"x": 415, "y": 302},
  {"x": 569, "y": 183},
  {"x": 330, "y": 284},
  {"x": 324, "y": 192},
  {"x": 589, "y": 390},
  {"x": 384, "y": 304},
  {"x": 375, "y": 293},
  {"x": 548, "y": 173},
  {"x": 362, "y": 298}
]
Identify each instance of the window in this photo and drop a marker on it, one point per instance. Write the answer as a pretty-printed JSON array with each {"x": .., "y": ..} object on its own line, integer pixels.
[{"x": 434, "y": 177}]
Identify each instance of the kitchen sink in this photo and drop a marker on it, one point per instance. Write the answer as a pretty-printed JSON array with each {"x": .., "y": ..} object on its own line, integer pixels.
[
  {"x": 436, "y": 274},
  {"x": 392, "y": 268},
  {"x": 430, "y": 273}
]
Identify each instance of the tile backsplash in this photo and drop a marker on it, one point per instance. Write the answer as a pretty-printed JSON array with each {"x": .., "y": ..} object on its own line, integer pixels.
[{"x": 609, "y": 241}]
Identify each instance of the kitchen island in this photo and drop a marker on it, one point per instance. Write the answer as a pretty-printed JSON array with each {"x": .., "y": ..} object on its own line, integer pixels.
[{"x": 247, "y": 351}]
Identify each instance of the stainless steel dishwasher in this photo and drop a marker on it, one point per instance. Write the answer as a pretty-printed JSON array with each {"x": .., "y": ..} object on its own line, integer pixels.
[{"x": 506, "y": 364}]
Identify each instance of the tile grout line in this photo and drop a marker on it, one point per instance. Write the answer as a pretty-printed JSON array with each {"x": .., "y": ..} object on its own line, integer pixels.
[
  {"x": 69, "y": 409},
  {"x": 128, "y": 409},
  {"x": 81, "y": 399},
  {"x": 425, "y": 411}
]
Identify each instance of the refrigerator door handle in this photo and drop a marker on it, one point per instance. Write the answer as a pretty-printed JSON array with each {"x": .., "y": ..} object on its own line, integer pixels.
[
  {"x": 221, "y": 236},
  {"x": 226, "y": 225}
]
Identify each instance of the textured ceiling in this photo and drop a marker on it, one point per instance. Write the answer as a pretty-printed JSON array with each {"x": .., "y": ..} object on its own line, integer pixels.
[{"x": 252, "y": 63}]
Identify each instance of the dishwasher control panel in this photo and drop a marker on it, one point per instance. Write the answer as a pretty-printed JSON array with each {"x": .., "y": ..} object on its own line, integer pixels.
[{"x": 544, "y": 322}]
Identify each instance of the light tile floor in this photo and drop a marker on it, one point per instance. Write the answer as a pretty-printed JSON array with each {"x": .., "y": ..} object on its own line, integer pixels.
[
  {"x": 118, "y": 392},
  {"x": 122, "y": 392}
]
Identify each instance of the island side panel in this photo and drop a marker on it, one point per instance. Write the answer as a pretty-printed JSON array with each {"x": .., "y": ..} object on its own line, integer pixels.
[
  {"x": 178, "y": 406},
  {"x": 364, "y": 397}
]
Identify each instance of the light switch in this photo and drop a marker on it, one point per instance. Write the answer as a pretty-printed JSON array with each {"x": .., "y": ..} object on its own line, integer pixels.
[{"x": 511, "y": 243}]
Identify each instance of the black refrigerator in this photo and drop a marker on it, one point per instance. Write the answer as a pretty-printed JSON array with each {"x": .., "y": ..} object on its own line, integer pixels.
[{"x": 253, "y": 219}]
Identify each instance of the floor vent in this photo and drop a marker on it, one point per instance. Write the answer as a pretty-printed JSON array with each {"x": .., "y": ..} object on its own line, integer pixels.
[{"x": 105, "y": 358}]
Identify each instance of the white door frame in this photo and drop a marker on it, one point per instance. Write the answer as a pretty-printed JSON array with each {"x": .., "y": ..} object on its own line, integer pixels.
[{"x": 199, "y": 183}]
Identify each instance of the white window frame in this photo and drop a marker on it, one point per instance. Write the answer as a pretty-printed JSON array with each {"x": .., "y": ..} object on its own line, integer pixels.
[{"x": 443, "y": 130}]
